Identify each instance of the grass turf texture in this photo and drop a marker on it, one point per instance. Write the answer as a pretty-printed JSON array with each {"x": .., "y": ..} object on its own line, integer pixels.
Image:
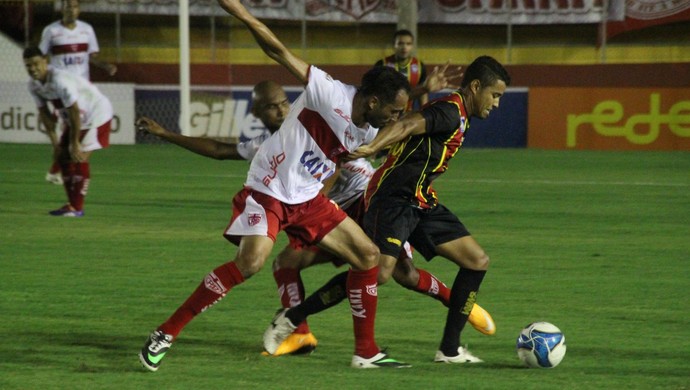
[{"x": 594, "y": 242}]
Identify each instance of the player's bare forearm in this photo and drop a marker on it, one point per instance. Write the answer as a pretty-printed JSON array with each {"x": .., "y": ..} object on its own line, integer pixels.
[
  {"x": 418, "y": 92},
  {"x": 268, "y": 42},
  {"x": 111, "y": 69},
  {"x": 202, "y": 146},
  {"x": 424, "y": 99},
  {"x": 74, "y": 129},
  {"x": 74, "y": 124},
  {"x": 48, "y": 121},
  {"x": 411, "y": 124}
]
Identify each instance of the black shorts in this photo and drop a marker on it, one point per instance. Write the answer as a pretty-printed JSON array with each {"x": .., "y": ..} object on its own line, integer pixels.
[{"x": 389, "y": 226}]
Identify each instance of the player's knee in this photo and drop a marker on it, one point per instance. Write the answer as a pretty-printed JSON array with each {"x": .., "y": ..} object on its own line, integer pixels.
[
  {"x": 283, "y": 261},
  {"x": 384, "y": 275},
  {"x": 370, "y": 255},
  {"x": 481, "y": 262},
  {"x": 249, "y": 263},
  {"x": 388, "y": 267},
  {"x": 406, "y": 277}
]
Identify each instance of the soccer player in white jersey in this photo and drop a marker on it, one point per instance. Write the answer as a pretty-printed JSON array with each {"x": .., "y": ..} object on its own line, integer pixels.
[
  {"x": 86, "y": 116},
  {"x": 71, "y": 45},
  {"x": 269, "y": 104},
  {"x": 281, "y": 192}
]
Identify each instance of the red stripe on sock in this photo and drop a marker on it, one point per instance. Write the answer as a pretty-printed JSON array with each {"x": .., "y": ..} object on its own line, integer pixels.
[
  {"x": 291, "y": 291},
  {"x": 430, "y": 285}
]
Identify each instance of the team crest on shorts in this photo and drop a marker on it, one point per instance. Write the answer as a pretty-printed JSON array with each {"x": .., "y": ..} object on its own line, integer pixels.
[{"x": 253, "y": 219}]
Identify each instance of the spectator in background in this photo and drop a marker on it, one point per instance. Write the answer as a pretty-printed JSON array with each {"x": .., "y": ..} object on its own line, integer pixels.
[
  {"x": 86, "y": 116},
  {"x": 72, "y": 46},
  {"x": 410, "y": 66}
]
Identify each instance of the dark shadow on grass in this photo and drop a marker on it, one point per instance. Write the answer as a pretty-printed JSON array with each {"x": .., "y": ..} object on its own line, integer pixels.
[
  {"x": 87, "y": 352},
  {"x": 80, "y": 352}
]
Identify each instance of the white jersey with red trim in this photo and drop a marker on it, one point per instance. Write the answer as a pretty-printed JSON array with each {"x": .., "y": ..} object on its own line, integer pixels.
[
  {"x": 62, "y": 89},
  {"x": 247, "y": 149},
  {"x": 351, "y": 182},
  {"x": 69, "y": 48},
  {"x": 317, "y": 132}
]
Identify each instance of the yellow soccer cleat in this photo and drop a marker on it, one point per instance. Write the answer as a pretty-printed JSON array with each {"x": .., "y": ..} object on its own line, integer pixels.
[
  {"x": 297, "y": 344},
  {"x": 481, "y": 320}
]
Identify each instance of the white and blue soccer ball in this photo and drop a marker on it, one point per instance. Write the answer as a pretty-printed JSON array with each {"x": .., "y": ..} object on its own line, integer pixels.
[{"x": 541, "y": 345}]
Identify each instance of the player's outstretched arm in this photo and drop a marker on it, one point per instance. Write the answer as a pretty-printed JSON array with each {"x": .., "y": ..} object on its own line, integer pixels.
[
  {"x": 270, "y": 44},
  {"x": 204, "y": 146},
  {"x": 410, "y": 124},
  {"x": 111, "y": 69}
]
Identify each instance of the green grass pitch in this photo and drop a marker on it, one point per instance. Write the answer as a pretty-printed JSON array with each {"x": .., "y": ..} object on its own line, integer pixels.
[{"x": 596, "y": 242}]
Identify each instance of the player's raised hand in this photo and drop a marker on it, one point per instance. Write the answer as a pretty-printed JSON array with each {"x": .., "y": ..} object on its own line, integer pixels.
[
  {"x": 444, "y": 77},
  {"x": 148, "y": 125}
]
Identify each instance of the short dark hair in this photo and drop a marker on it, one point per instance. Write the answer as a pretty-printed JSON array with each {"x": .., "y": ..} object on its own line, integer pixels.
[
  {"x": 402, "y": 32},
  {"x": 32, "y": 51},
  {"x": 384, "y": 83},
  {"x": 487, "y": 70}
]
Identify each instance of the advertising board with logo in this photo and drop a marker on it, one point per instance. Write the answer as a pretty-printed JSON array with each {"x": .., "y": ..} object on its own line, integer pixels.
[
  {"x": 225, "y": 114},
  {"x": 609, "y": 118},
  {"x": 222, "y": 112}
]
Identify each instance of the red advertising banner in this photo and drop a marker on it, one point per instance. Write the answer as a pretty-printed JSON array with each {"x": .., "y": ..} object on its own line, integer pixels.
[
  {"x": 646, "y": 13},
  {"x": 383, "y": 11},
  {"x": 609, "y": 118}
]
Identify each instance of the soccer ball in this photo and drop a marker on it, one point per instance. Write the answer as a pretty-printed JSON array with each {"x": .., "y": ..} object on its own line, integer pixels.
[{"x": 541, "y": 345}]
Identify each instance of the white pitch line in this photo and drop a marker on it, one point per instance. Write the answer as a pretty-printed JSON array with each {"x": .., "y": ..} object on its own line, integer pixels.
[
  {"x": 570, "y": 182},
  {"x": 443, "y": 179}
]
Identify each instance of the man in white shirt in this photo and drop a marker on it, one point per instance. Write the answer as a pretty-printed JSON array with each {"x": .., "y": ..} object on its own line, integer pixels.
[
  {"x": 86, "y": 114},
  {"x": 71, "y": 45},
  {"x": 281, "y": 192}
]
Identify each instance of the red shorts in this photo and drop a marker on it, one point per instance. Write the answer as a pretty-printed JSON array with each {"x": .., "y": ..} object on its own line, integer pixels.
[
  {"x": 258, "y": 214},
  {"x": 356, "y": 212}
]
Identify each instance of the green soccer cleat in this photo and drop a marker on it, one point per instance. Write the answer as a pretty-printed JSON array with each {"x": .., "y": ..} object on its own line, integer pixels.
[
  {"x": 155, "y": 349},
  {"x": 380, "y": 360}
]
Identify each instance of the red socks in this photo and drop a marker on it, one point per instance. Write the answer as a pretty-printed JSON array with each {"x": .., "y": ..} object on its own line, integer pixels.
[
  {"x": 362, "y": 294},
  {"x": 76, "y": 177},
  {"x": 291, "y": 291},
  {"x": 428, "y": 284},
  {"x": 213, "y": 288},
  {"x": 55, "y": 168}
]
